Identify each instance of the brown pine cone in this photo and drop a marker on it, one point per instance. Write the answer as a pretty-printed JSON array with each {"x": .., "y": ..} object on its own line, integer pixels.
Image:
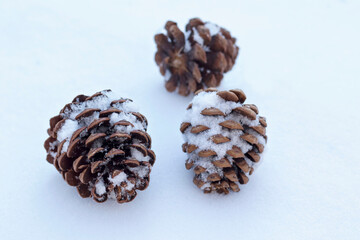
[
  {"x": 224, "y": 139},
  {"x": 197, "y": 59},
  {"x": 99, "y": 144}
]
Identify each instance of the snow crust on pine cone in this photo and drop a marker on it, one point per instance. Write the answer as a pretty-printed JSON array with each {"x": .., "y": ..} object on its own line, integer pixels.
[
  {"x": 100, "y": 145},
  {"x": 194, "y": 59},
  {"x": 224, "y": 139}
]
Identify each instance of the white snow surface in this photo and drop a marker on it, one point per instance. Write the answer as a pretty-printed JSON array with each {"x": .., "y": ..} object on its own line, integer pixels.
[{"x": 299, "y": 63}]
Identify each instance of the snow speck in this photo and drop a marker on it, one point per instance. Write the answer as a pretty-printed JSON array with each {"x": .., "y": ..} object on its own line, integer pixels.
[
  {"x": 100, "y": 188},
  {"x": 187, "y": 42},
  {"x": 118, "y": 179},
  {"x": 167, "y": 74},
  {"x": 197, "y": 37},
  {"x": 213, "y": 28}
]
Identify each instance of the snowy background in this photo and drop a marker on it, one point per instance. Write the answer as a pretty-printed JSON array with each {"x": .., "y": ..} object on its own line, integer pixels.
[{"x": 299, "y": 63}]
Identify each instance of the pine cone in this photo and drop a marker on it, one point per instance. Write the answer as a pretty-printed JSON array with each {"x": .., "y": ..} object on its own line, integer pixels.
[
  {"x": 100, "y": 145},
  {"x": 196, "y": 59},
  {"x": 224, "y": 139}
]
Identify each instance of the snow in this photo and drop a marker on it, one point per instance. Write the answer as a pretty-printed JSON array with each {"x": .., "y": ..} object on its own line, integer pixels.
[
  {"x": 100, "y": 188},
  {"x": 138, "y": 155},
  {"x": 197, "y": 37},
  {"x": 141, "y": 171},
  {"x": 168, "y": 74},
  {"x": 187, "y": 47},
  {"x": 299, "y": 63},
  {"x": 66, "y": 131},
  {"x": 115, "y": 117},
  {"x": 213, "y": 28},
  {"x": 118, "y": 179}
]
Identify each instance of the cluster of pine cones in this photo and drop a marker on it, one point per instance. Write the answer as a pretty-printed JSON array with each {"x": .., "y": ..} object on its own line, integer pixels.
[{"x": 100, "y": 145}]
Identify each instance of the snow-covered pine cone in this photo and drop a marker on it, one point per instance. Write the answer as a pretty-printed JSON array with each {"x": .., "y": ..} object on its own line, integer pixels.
[
  {"x": 224, "y": 139},
  {"x": 100, "y": 145},
  {"x": 195, "y": 59}
]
